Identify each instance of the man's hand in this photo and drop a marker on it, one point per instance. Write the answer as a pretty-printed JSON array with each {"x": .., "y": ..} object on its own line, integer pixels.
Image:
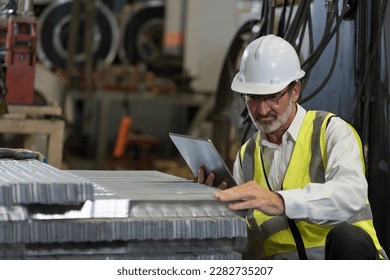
[
  {"x": 252, "y": 196},
  {"x": 209, "y": 180}
]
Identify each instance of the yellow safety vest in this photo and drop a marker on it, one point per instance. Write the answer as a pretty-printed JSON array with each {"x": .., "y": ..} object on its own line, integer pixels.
[{"x": 269, "y": 237}]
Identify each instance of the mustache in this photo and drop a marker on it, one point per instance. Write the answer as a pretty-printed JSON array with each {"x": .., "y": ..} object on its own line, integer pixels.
[{"x": 268, "y": 115}]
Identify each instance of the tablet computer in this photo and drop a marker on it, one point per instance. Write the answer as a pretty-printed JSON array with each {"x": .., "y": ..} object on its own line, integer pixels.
[{"x": 200, "y": 152}]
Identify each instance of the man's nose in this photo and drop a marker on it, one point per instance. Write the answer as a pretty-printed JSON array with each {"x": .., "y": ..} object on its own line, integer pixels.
[{"x": 262, "y": 107}]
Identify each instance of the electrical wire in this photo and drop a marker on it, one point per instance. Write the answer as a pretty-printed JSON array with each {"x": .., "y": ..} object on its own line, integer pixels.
[
  {"x": 327, "y": 36},
  {"x": 298, "y": 21},
  {"x": 334, "y": 60},
  {"x": 282, "y": 19},
  {"x": 289, "y": 17},
  {"x": 263, "y": 19},
  {"x": 271, "y": 12},
  {"x": 330, "y": 72},
  {"x": 302, "y": 34},
  {"x": 309, "y": 63},
  {"x": 372, "y": 51}
]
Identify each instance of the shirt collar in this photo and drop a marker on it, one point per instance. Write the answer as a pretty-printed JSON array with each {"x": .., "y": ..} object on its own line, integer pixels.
[{"x": 296, "y": 124}]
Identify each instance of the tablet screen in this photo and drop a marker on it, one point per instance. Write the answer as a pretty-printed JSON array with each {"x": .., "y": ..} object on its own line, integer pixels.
[{"x": 199, "y": 152}]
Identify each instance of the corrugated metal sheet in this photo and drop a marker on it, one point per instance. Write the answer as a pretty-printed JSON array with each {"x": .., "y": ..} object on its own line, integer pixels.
[{"x": 131, "y": 215}]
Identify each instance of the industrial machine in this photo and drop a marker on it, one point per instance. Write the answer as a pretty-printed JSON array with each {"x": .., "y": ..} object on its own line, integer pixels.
[
  {"x": 96, "y": 34},
  {"x": 18, "y": 39},
  {"x": 71, "y": 30}
]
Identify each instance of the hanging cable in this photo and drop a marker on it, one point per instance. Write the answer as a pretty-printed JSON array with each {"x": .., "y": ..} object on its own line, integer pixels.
[
  {"x": 263, "y": 19},
  {"x": 271, "y": 12},
  {"x": 298, "y": 21},
  {"x": 281, "y": 24},
  {"x": 335, "y": 54},
  {"x": 289, "y": 17},
  {"x": 314, "y": 55},
  {"x": 302, "y": 34},
  {"x": 371, "y": 53},
  {"x": 330, "y": 72},
  {"x": 327, "y": 36}
]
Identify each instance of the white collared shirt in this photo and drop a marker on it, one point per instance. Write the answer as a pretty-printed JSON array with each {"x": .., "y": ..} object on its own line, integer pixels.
[{"x": 345, "y": 190}]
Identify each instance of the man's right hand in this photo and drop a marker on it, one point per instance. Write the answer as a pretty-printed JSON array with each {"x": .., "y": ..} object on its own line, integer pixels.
[
  {"x": 251, "y": 195},
  {"x": 209, "y": 180}
]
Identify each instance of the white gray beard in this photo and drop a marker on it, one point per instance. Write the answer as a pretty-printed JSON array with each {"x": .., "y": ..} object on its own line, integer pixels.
[{"x": 273, "y": 126}]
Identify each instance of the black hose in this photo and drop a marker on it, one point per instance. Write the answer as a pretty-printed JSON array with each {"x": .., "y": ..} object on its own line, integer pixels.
[
  {"x": 302, "y": 34},
  {"x": 313, "y": 58},
  {"x": 368, "y": 59},
  {"x": 289, "y": 17},
  {"x": 322, "y": 44},
  {"x": 281, "y": 24},
  {"x": 263, "y": 19},
  {"x": 298, "y": 21},
  {"x": 271, "y": 18},
  {"x": 330, "y": 72}
]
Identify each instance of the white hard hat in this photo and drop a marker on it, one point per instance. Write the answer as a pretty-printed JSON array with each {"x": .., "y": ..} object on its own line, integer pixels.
[{"x": 268, "y": 65}]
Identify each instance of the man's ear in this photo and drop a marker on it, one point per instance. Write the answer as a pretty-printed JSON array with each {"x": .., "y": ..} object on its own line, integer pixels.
[{"x": 296, "y": 91}]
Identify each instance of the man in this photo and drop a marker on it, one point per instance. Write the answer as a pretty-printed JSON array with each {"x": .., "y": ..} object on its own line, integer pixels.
[{"x": 302, "y": 176}]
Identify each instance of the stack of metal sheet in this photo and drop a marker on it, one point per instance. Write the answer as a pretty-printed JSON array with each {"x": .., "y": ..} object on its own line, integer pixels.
[{"x": 46, "y": 213}]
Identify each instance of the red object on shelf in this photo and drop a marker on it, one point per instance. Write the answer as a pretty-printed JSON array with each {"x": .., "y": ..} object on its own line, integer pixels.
[{"x": 20, "y": 60}]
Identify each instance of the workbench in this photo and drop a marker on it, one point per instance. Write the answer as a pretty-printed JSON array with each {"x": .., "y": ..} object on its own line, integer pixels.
[{"x": 30, "y": 120}]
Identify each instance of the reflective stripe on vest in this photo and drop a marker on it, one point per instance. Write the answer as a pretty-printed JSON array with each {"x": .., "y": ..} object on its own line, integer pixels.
[{"x": 309, "y": 161}]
